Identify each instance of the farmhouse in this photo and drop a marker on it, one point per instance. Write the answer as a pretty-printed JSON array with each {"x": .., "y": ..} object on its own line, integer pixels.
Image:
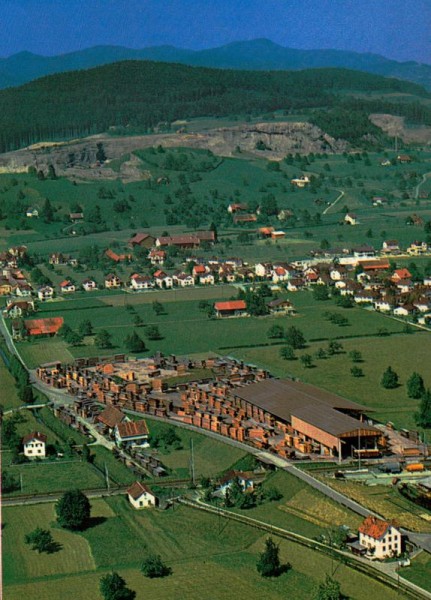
[
  {"x": 233, "y": 308},
  {"x": 132, "y": 433},
  {"x": 351, "y": 219},
  {"x": 140, "y": 496},
  {"x": 49, "y": 326},
  {"x": 76, "y": 217},
  {"x": 32, "y": 212},
  {"x": 280, "y": 306},
  {"x": 380, "y": 538},
  {"x": 110, "y": 417},
  {"x": 144, "y": 240},
  {"x": 181, "y": 241},
  {"x": 301, "y": 181},
  {"x": 18, "y": 308},
  {"x": 313, "y": 419},
  {"x": 34, "y": 445},
  {"x": 237, "y": 207}
]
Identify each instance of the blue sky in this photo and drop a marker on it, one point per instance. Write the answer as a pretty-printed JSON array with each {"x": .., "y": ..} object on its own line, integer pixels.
[{"x": 399, "y": 29}]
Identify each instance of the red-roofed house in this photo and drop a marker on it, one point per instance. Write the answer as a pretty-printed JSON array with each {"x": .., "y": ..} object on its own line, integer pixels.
[
  {"x": 34, "y": 445},
  {"x": 67, "y": 287},
  {"x": 163, "y": 280},
  {"x": 157, "y": 257},
  {"x": 117, "y": 257},
  {"x": 132, "y": 433},
  {"x": 232, "y": 308},
  {"x": 380, "y": 538},
  {"x": 140, "y": 496},
  {"x": 49, "y": 326},
  {"x": 110, "y": 417},
  {"x": 400, "y": 274}
]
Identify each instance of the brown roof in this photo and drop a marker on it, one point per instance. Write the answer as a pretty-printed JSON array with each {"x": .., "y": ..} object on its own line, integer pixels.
[
  {"x": 111, "y": 416},
  {"x": 332, "y": 421},
  {"x": 132, "y": 429},
  {"x": 374, "y": 527},
  {"x": 283, "y": 398},
  {"x": 35, "y": 435},
  {"x": 137, "y": 489}
]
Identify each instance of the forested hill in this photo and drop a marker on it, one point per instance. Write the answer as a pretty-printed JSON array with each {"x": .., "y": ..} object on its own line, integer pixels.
[
  {"x": 140, "y": 94},
  {"x": 258, "y": 54}
]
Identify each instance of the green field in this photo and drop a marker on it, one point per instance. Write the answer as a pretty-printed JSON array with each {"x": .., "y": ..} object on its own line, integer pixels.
[
  {"x": 405, "y": 353},
  {"x": 185, "y": 329},
  {"x": 419, "y": 571},
  {"x": 211, "y": 457},
  {"x": 205, "y": 558}
]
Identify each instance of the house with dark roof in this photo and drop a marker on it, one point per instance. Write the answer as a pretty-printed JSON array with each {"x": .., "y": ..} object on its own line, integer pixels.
[
  {"x": 140, "y": 496},
  {"x": 34, "y": 445},
  {"x": 132, "y": 433},
  {"x": 110, "y": 417}
]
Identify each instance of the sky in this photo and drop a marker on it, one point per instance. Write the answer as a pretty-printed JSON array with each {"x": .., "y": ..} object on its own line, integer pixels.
[{"x": 397, "y": 29}]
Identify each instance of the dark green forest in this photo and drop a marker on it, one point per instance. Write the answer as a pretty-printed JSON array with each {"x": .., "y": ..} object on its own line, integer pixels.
[{"x": 140, "y": 94}]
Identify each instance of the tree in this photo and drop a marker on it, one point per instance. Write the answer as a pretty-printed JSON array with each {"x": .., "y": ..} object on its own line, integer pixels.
[
  {"x": 295, "y": 338},
  {"x": 9, "y": 482},
  {"x": 287, "y": 353},
  {"x": 40, "y": 540},
  {"x": 85, "y": 328},
  {"x": 73, "y": 510},
  {"x": 423, "y": 417},
  {"x": 321, "y": 292},
  {"x": 389, "y": 379},
  {"x": 355, "y": 356},
  {"x": 356, "y": 372},
  {"x": 307, "y": 360},
  {"x": 153, "y": 566},
  {"x": 275, "y": 332},
  {"x": 47, "y": 211},
  {"x": 103, "y": 339},
  {"x": 113, "y": 587},
  {"x": 415, "y": 386},
  {"x": 26, "y": 394},
  {"x": 134, "y": 343},
  {"x": 51, "y": 172},
  {"x": 329, "y": 590},
  {"x": 158, "y": 308},
  {"x": 138, "y": 321},
  {"x": 100, "y": 153},
  {"x": 152, "y": 332},
  {"x": 334, "y": 347},
  {"x": 268, "y": 564}
]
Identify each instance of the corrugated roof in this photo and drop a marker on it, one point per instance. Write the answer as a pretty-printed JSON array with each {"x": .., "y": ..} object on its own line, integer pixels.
[
  {"x": 330, "y": 420},
  {"x": 132, "y": 429}
]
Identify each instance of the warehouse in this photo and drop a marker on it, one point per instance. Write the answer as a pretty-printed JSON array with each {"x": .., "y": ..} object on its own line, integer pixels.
[{"x": 324, "y": 422}]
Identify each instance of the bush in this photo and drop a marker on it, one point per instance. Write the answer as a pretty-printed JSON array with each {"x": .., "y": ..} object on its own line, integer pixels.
[{"x": 153, "y": 566}]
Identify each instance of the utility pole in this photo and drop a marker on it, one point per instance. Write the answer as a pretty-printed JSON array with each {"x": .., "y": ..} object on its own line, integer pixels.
[
  {"x": 192, "y": 463},
  {"x": 359, "y": 449},
  {"x": 107, "y": 478}
]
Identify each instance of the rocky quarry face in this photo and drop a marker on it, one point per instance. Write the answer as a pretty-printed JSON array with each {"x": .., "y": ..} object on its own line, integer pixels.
[{"x": 77, "y": 159}]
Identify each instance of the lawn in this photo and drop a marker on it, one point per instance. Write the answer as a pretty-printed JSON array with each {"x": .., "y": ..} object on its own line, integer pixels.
[
  {"x": 205, "y": 559},
  {"x": 211, "y": 457},
  {"x": 301, "y": 508},
  {"x": 405, "y": 353},
  {"x": 419, "y": 571},
  {"x": 185, "y": 329}
]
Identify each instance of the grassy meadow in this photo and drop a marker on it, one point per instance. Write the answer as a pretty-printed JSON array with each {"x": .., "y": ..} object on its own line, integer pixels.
[{"x": 191, "y": 542}]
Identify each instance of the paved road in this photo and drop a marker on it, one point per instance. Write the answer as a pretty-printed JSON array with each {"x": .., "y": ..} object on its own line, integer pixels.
[{"x": 334, "y": 203}]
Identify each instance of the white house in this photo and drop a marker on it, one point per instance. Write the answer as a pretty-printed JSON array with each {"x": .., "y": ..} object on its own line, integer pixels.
[
  {"x": 141, "y": 282},
  {"x": 140, "y": 496},
  {"x": 32, "y": 212},
  {"x": 183, "y": 279},
  {"x": 45, "y": 293},
  {"x": 67, "y": 287},
  {"x": 34, "y": 445},
  {"x": 351, "y": 219},
  {"x": 89, "y": 285},
  {"x": 163, "y": 280},
  {"x": 207, "y": 279},
  {"x": 132, "y": 433},
  {"x": 381, "y": 538}
]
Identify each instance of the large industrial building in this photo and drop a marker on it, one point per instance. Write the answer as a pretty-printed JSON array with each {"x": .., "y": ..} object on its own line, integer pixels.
[{"x": 327, "y": 423}]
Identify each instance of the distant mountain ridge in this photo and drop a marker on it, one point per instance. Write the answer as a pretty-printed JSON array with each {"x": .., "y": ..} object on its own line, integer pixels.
[{"x": 259, "y": 54}]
